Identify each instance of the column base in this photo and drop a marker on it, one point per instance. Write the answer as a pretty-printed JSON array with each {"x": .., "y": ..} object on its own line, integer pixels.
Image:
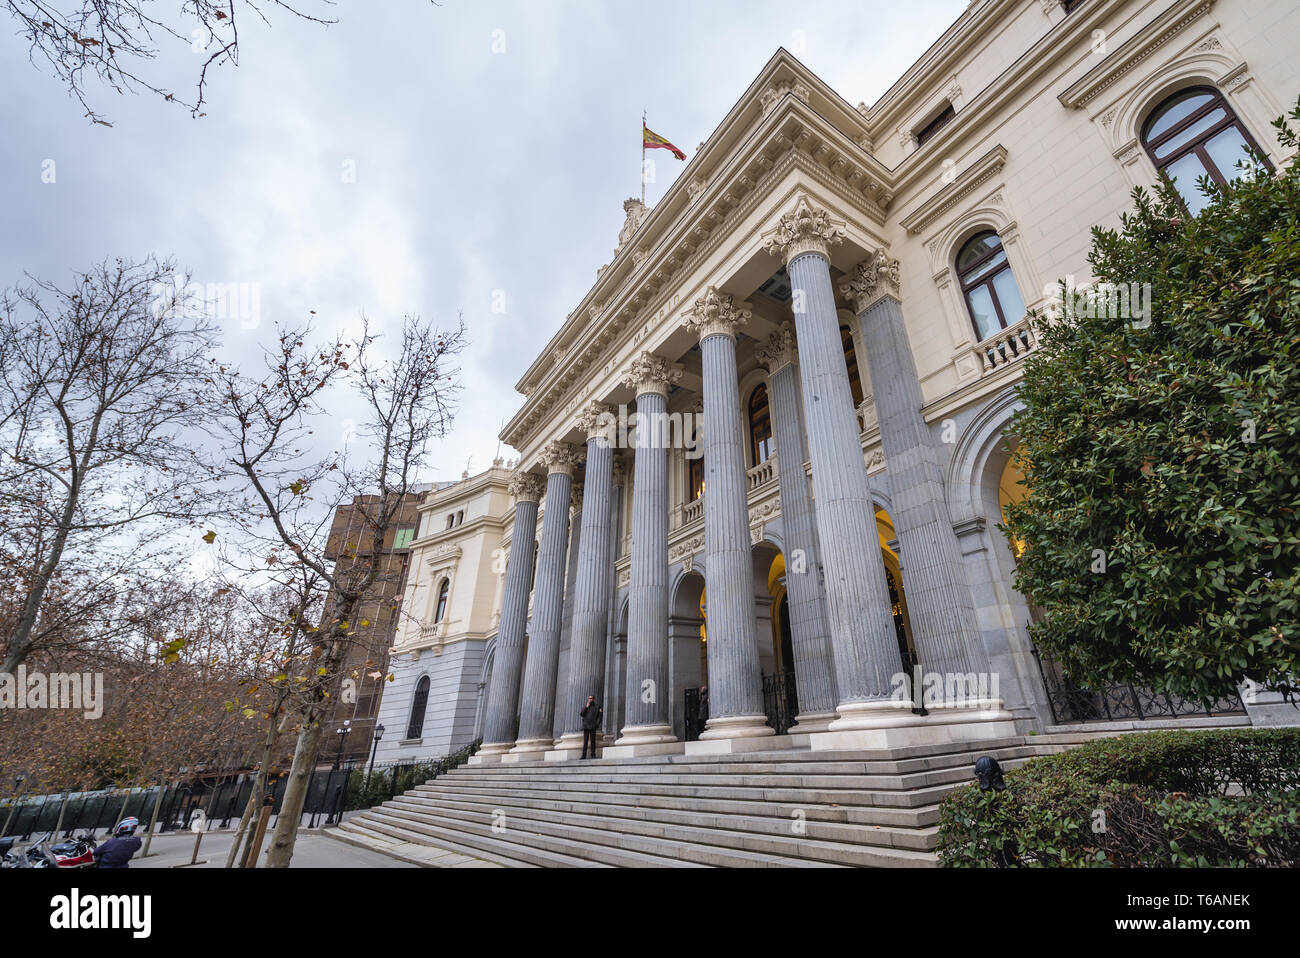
[
  {"x": 529, "y": 750},
  {"x": 736, "y": 726},
  {"x": 639, "y": 751},
  {"x": 646, "y": 735},
  {"x": 812, "y": 722},
  {"x": 889, "y": 723},
  {"x": 490, "y": 754},
  {"x": 569, "y": 747}
]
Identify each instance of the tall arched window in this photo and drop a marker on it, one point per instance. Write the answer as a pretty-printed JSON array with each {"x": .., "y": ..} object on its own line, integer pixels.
[
  {"x": 760, "y": 426},
  {"x": 695, "y": 475},
  {"x": 992, "y": 296},
  {"x": 441, "y": 609},
  {"x": 851, "y": 361},
  {"x": 420, "y": 702},
  {"x": 1192, "y": 134}
]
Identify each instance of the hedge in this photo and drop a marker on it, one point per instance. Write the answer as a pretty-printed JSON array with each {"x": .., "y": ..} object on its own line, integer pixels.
[{"x": 1220, "y": 798}]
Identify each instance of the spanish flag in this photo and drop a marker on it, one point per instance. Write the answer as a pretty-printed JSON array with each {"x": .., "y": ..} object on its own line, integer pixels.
[{"x": 651, "y": 140}]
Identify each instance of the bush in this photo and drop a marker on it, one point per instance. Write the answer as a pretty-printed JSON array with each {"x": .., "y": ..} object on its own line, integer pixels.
[
  {"x": 1222, "y": 798},
  {"x": 368, "y": 790}
]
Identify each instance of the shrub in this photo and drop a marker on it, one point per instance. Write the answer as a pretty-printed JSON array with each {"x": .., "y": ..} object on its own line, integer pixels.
[
  {"x": 368, "y": 790},
  {"x": 1222, "y": 798}
]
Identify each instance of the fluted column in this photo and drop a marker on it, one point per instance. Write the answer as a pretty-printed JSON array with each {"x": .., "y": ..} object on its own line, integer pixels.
[
  {"x": 810, "y": 635},
  {"x": 499, "y": 725},
  {"x": 615, "y": 643},
  {"x": 857, "y": 599},
  {"x": 938, "y": 595},
  {"x": 735, "y": 679},
  {"x": 649, "y": 377},
  {"x": 537, "y": 709},
  {"x": 566, "y": 620},
  {"x": 591, "y": 593}
]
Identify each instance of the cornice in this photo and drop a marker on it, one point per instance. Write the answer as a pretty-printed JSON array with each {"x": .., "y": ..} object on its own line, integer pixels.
[
  {"x": 1133, "y": 51},
  {"x": 792, "y": 137},
  {"x": 969, "y": 179}
]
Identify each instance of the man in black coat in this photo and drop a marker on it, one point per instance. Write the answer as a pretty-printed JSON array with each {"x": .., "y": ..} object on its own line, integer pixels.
[{"x": 591, "y": 714}]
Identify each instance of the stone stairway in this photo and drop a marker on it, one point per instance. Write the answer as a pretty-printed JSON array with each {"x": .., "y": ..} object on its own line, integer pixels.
[{"x": 788, "y": 808}]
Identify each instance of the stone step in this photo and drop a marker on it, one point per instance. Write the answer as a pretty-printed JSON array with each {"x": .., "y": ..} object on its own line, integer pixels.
[
  {"x": 364, "y": 834},
  {"x": 766, "y": 832},
  {"x": 849, "y": 814},
  {"x": 701, "y": 847},
  {"x": 628, "y": 851},
  {"x": 785, "y": 765}
]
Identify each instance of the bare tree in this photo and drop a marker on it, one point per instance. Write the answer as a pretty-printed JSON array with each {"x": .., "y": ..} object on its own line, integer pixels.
[
  {"x": 113, "y": 41},
  {"x": 101, "y": 392},
  {"x": 409, "y": 400}
]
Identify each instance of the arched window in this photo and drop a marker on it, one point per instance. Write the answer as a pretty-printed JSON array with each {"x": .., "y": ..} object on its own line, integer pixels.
[
  {"x": 451, "y": 520},
  {"x": 851, "y": 361},
  {"x": 992, "y": 296},
  {"x": 441, "y": 609},
  {"x": 1192, "y": 134},
  {"x": 420, "y": 702},
  {"x": 760, "y": 426},
  {"x": 460, "y": 517},
  {"x": 695, "y": 476}
]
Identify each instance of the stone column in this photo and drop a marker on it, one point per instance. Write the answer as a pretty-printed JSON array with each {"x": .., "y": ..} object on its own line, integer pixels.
[
  {"x": 735, "y": 679},
  {"x": 810, "y": 633},
  {"x": 615, "y": 643},
  {"x": 591, "y": 593},
  {"x": 649, "y": 377},
  {"x": 499, "y": 725},
  {"x": 857, "y": 599},
  {"x": 537, "y": 711},
  {"x": 938, "y": 595},
  {"x": 566, "y": 621}
]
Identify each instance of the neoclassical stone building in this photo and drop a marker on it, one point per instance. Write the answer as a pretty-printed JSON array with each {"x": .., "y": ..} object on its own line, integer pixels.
[{"x": 837, "y": 297}]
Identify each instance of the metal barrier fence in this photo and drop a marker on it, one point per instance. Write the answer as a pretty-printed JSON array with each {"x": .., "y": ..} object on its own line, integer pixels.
[{"x": 221, "y": 799}]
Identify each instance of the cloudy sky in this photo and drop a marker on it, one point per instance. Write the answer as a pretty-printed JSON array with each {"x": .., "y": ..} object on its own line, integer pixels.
[{"x": 492, "y": 143}]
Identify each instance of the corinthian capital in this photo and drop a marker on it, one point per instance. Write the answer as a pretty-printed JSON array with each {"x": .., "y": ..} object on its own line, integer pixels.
[
  {"x": 874, "y": 277},
  {"x": 649, "y": 373},
  {"x": 806, "y": 229},
  {"x": 560, "y": 457},
  {"x": 526, "y": 487},
  {"x": 716, "y": 312},
  {"x": 778, "y": 351},
  {"x": 598, "y": 421}
]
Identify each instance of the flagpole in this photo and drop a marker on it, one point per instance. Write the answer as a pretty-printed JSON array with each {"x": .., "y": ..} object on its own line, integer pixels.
[{"x": 643, "y": 118}]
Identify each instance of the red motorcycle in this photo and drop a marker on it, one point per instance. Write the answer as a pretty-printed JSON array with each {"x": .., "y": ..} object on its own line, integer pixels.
[{"x": 78, "y": 853}]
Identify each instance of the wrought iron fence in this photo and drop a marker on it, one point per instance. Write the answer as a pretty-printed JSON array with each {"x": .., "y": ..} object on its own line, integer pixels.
[
  {"x": 780, "y": 700},
  {"x": 1071, "y": 702}
]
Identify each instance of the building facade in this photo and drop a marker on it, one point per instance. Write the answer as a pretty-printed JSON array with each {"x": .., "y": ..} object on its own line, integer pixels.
[{"x": 820, "y": 329}]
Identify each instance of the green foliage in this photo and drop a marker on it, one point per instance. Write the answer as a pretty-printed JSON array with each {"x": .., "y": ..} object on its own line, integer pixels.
[
  {"x": 1171, "y": 451},
  {"x": 1224, "y": 798},
  {"x": 366, "y": 790}
]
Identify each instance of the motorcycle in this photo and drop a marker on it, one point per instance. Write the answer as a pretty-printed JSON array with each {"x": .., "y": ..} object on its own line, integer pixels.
[
  {"x": 7, "y": 857},
  {"x": 77, "y": 853}
]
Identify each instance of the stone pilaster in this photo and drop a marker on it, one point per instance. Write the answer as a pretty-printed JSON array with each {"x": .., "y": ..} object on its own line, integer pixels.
[
  {"x": 647, "y": 689},
  {"x": 591, "y": 594},
  {"x": 735, "y": 679},
  {"x": 810, "y": 634},
  {"x": 499, "y": 725},
  {"x": 857, "y": 600},
  {"x": 938, "y": 595},
  {"x": 537, "y": 708}
]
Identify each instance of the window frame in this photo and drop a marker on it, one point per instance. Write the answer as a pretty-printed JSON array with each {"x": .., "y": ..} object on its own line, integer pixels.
[
  {"x": 440, "y": 604},
  {"x": 419, "y": 709},
  {"x": 764, "y": 418},
  {"x": 986, "y": 280},
  {"x": 1196, "y": 146}
]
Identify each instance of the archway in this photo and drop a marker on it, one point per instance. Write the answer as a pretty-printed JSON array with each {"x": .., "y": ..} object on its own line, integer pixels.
[
  {"x": 688, "y": 666},
  {"x": 897, "y": 591}
]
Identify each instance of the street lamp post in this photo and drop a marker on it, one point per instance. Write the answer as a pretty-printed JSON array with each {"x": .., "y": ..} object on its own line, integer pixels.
[
  {"x": 379, "y": 733},
  {"x": 343, "y": 735}
]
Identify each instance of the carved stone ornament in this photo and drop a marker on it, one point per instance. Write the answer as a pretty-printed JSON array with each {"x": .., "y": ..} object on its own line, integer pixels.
[
  {"x": 773, "y": 94},
  {"x": 716, "y": 312},
  {"x": 527, "y": 487},
  {"x": 560, "y": 457},
  {"x": 620, "y": 471},
  {"x": 779, "y": 350},
  {"x": 874, "y": 277},
  {"x": 806, "y": 229},
  {"x": 575, "y": 498},
  {"x": 648, "y": 373},
  {"x": 598, "y": 421}
]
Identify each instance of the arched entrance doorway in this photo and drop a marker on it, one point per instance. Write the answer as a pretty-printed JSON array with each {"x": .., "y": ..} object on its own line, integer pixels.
[
  {"x": 897, "y": 592},
  {"x": 688, "y": 661}
]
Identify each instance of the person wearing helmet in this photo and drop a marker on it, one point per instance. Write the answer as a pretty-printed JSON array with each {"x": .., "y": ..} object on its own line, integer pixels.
[{"x": 117, "y": 851}]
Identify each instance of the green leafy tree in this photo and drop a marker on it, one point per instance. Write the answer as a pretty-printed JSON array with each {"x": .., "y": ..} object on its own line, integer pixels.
[{"x": 1161, "y": 451}]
